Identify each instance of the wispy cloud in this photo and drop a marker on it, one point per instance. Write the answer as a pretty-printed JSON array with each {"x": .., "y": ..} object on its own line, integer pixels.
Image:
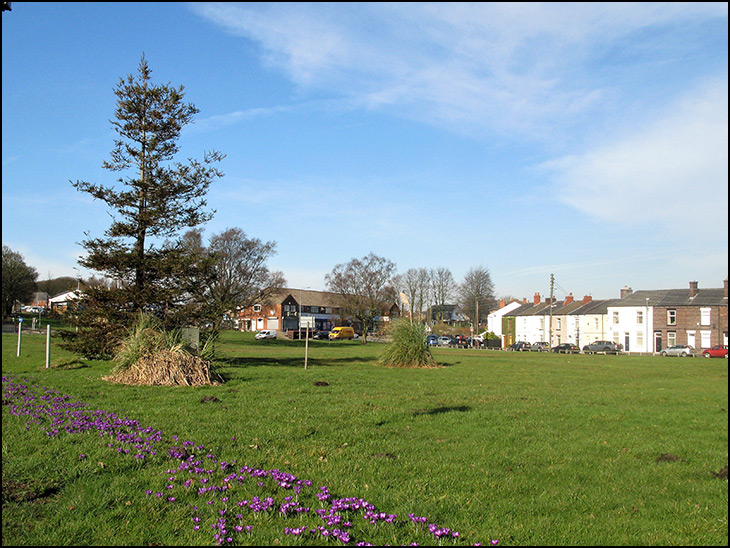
[
  {"x": 674, "y": 170},
  {"x": 512, "y": 68}
]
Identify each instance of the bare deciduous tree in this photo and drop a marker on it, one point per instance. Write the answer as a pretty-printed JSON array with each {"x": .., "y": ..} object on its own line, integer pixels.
[
  {"x": 240, "y": 273},
  {"x": 443, "y": 287},
  {"x": 477, "y": 287},
  {"x": 416, "y": 284},
  {"x": 364, "y": 287}
]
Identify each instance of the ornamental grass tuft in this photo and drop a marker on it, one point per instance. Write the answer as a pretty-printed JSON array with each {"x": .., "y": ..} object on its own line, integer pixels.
[
  {"x": 409, "y": 346},
  {"x": 154, "y": 357}
]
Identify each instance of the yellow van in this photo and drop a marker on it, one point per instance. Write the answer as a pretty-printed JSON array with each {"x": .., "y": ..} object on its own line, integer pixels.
[{"x": 342, "y": 333}]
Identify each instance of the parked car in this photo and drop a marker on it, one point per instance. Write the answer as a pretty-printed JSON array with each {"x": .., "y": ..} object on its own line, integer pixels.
[
  {"x": 444, "y": 340},
  {"x": 266, "y": 334},
  {"x": 432, "y": 340},
  {"x": 541, "y": 346},
  {"x": 567, "y": 348},
  {"x": 321, "y": 335},
  {"x": 461, "y": 341},
  {"x": 679, "y": 350},
  {"x": 718, "y": 351},
  {"x": 602, "y": 346},
  {"x": 520, "y": 346}
]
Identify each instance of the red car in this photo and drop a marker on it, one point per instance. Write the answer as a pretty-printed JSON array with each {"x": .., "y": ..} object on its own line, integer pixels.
[{"x": 719, "y": 351}]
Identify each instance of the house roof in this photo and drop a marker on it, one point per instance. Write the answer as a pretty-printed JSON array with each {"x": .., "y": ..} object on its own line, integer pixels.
[
  {"x": 305, "y": 297},
  {"x": 675, "y": 297}
]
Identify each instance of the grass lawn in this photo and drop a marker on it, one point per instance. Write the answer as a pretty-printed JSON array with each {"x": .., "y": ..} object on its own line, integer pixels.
[{"x": 524, "y": 448}]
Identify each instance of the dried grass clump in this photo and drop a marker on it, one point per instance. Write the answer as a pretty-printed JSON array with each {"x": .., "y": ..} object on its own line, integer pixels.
[
  {"x": 150, "y": 356},
  {"x": 167, "y": 367}
]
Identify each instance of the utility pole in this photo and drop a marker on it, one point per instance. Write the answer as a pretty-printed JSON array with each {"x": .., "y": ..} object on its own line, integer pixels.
[{"x": 552, "y": 286}]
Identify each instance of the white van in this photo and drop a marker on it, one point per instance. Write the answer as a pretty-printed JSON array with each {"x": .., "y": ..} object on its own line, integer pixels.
[{"x": 266, "y": 334}]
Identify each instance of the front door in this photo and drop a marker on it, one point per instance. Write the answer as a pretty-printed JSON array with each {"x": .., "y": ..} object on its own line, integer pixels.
[
  {"x": 627, "y": 338},
  {"x": 658, "y": 341}
]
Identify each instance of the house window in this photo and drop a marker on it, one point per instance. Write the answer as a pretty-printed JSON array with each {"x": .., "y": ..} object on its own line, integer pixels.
[
  {"x": 639, "y": 317},
  {"x": 671, "y": 317},
  {"x": 639, "y": 338},
  {"x": 615, "y": 317},
  {"x": 705, "y": 316},
  {"x": 671, "y": 338},
  {"x": 705, "y": 339},
  {"x": 257, "y": 308},
  {"x": 314, "y": 309},
  {"x": 560, "y": 323}
]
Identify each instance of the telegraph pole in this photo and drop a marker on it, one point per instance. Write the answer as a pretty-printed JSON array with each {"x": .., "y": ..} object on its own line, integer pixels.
[{"x": 552, "y": 286}]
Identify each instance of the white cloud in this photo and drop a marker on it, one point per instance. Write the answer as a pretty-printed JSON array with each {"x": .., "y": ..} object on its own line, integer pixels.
[
  {"x": 514, "y": 68},
  {"x": 674, "y": 170}
]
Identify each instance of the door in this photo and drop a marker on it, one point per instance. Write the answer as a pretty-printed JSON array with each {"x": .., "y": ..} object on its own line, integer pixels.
[
  {"x": 627, "y": 338},
  {"x": 657, "y": 341}
]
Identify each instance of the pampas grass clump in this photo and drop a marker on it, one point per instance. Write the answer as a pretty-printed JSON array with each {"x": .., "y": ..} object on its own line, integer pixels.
[
  {"x": 151, "y": 356},
  {"x": 409, "y": 347}
]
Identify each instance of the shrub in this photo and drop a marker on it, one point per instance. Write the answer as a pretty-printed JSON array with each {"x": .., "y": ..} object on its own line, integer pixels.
[{"x": 409, "y": 347}]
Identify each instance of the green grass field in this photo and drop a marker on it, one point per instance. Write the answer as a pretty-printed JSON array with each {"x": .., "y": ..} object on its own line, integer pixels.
[{"x": 523, "y": 448}]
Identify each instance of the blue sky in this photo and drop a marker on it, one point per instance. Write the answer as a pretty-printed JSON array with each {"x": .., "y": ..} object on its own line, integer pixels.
[{"x": 588, "y": 141}]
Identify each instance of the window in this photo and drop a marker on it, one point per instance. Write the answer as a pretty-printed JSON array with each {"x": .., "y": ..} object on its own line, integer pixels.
[
  {"x": 671, "y": 338},
  {"x": 639, "y": 338},
  {"x": 560, "y": 323},
  {"x": 257, "y": 308},
  {"x": 671, "y": 317},
  {"x": 705, "y": 316},
  {"x": 705, "y": 339},
  {"x": 615, "y": 317},
  {"x": 639, "y": 317}
]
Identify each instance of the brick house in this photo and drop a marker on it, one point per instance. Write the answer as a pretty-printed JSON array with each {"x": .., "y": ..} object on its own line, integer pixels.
[
  {"x": 650, "y": 320},
  {"x": 281, "y": 311}
]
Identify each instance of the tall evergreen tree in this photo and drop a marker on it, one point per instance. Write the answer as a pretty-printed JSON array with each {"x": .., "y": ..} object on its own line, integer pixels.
[{"x": 155, "y": 199}]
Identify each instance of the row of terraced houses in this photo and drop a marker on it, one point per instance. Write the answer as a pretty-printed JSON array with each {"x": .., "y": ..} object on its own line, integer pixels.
[{"x": 644, "y": 321}]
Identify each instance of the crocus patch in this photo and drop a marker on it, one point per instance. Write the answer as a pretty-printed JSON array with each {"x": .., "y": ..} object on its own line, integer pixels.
[{"x": 224, "y": 499}]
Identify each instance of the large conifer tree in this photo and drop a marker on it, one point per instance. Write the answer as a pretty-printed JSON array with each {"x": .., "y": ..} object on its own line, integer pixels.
[{"x": 155, "y": 198}]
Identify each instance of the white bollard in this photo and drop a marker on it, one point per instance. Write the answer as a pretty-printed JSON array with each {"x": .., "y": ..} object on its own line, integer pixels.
[{"x": 48, "y": 346}]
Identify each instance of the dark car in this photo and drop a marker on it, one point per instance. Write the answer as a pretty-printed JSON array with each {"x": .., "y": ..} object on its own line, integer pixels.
[
  {"x": 609, "y": 347},
  {"x": 520, "y": 346},
  {"x": 322, "y": 335},
  {"x": 566, "y": 348},
  {"x": 541, "y": 346},
  {"x": 460, "y": 340},
  {"x": 433, "y": 340}
]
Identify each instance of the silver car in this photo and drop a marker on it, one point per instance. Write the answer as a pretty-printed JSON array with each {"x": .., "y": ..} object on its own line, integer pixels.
[{"x": 679, "y": 350}]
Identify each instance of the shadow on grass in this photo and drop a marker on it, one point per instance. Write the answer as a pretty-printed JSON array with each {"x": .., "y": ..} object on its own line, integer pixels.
[
  {"x": 288, "y": 362},
  {"x": 441, "y": 410}
]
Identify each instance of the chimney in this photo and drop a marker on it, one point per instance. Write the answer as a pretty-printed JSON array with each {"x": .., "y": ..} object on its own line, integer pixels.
[
  {"x": 626, "y": 291},
  {"x": 692, "y": 289},
  {"x": 568, "y": 299},
  {"x": 536, "y": 300},
  {"x": 587, "y": 299},
  {"x": 501, "y": 303}
]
